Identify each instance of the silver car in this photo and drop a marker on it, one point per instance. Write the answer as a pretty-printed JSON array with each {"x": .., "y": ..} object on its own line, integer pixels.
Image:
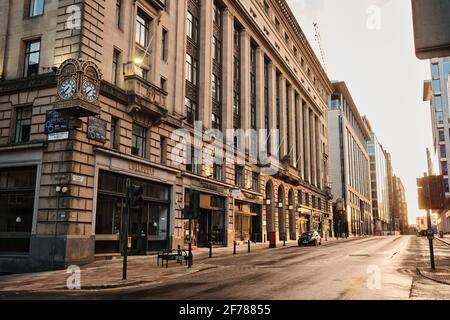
[{"x": 310, "y": 238}]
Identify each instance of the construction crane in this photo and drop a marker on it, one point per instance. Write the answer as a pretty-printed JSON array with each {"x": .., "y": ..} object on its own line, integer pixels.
[{"x": 319, "y": 43}]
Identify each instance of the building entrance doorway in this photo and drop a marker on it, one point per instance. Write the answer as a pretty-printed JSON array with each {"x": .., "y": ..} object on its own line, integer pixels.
[{"x": 211, "y": 228}]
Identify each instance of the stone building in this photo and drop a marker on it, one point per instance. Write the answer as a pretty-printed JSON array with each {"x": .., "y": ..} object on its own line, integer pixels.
[
  {"x": 349, "y": 164},
  {"x": 91, "y": 95},
  {"x": 437, "y": 92},
  {"x": 400, "y": 206},
  {"x": 381, "y": 184}
]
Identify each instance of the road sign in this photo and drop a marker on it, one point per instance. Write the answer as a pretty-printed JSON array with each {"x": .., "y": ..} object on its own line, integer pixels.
[
  {"x": 431, "y": 193},
  {"x": 430, "y": 234}
]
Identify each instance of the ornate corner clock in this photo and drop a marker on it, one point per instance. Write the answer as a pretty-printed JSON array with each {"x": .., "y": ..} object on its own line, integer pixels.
[{"x": 78, "y": 88}]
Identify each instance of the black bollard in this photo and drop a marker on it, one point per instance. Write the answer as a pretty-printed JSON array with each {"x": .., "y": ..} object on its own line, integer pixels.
[
  {"x": 234, "y": 247},
  {"x": 248, "y": 246},
  {"x": 210, "y": 249}
]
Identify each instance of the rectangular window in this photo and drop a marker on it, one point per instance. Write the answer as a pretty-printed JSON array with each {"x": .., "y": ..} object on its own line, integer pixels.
[
  {"x": 23, "y": 124},
  {"x": 191, "y": 69},
  {"x": 118, "y": 12},
  {"x": 436, "y": 86},
  {"x": 191, "y": 111},
  {"x": 255, "y": 181},
  {"x": 441, "y": 136},
  {"x": 299, "y": 198},
  {"x": 435, "y": 71},
  {"x": 141, "y": 72},
  {"x": 115, "y": 131},
  {"x": 440, "y": 118},
  {"x": 239, "y": 178},
  {"x": 139, "y": 141},
  {"x": 165, "y": 43},
  {"x": 444, "y": 167},
  {"x": 217, "y": 50},
  {"x": 32, "y": 57},
  {"x": 307, "y": 199},
  {"x": 194, "y": 164},
  {"x": 217, "y": 16},
  {"x": 163, "y": 84},
  {"x": 218, "y": 171},
  {"x": 266, "y": 7},
  {"x": 438, "y": 103},
  {"x": 192, "y": 27},
  {"x": 36, "y": 8},
  {"x": 443, "y": 151},
  {"x": 216, "y": 85},
  {"x": 215, "y": 121},
  {"x": 446, "y": 186},
  {"x": 115, "y": 67},
  {"x": 142, "y": 29}
]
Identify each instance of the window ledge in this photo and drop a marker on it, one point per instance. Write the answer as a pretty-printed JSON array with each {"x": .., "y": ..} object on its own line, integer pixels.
[{"x": 20, "y": 146}]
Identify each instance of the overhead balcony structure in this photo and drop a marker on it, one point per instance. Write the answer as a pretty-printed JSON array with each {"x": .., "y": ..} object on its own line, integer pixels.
[{"x": 145, "y": 97}]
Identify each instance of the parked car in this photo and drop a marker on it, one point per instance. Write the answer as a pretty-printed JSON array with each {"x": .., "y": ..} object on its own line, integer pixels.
[{"x": 310, "y": 238}]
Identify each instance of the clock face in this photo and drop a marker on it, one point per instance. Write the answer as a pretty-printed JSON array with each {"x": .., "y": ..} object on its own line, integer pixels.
[
  {"x": 67, "y": 88},
  {"x": 89, "y": 91}
]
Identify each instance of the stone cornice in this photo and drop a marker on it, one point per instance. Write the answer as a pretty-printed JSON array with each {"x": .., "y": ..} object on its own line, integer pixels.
[{"x": 47, "y": 80}]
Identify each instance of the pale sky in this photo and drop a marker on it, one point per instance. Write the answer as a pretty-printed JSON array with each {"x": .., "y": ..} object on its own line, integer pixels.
[{"x": 382, "y": 72}]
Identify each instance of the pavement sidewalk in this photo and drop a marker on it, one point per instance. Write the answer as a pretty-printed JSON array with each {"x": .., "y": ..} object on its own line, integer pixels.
[
  {"x": 441, "y": 274},
  {"x": 142, "y": 270}
]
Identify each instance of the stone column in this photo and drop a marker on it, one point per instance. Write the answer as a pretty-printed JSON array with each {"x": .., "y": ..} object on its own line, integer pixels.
[
  {"x": 245, "y": 80},
  {"x": 283, "y": 119},
  {"x": 300, "y": 153},
  {"x": 260, "y": 88},
  {"x": 313, "y": 148},
  {"x": 272, "y": 93},
  {"x": 306, "y": 131},
  {"x": 292, "y": 119},
  {"x": 205, "y": 64},
  {"x": 318, "y": 153},
  {"x": 227, "y": 68}
]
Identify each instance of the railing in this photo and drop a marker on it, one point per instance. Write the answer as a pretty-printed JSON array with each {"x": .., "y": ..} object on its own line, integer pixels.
[{"x": 147, "y": 90}]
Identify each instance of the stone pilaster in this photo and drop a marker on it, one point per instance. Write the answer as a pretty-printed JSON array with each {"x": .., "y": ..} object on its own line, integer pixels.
[
  {"x": 205, "y": 63},
  {"x": 227, "y": 65}
]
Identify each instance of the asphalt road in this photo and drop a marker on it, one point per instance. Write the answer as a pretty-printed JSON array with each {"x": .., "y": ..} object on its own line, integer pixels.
[{"x": 368, "y": 268}]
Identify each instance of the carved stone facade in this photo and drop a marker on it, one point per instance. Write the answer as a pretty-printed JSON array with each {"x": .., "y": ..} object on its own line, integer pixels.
[{"x": 75, "y": 203}]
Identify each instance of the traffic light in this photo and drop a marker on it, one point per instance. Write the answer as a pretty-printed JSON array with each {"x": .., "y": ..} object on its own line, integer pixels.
[
  {"x": 431, "y": 193},
  {"x": 194, "y": 206},
  {"x": 135, "y": 196}
]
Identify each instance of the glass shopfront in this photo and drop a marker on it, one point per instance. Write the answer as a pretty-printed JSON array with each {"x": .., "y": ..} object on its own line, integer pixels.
[
  {"x": 304, "y": 223},
  {"x": 210, "y": 225},
  {"x": 247, "y": 222},
  {"x": 148, "y": 227},
  {"x": 17, "y": 192}
]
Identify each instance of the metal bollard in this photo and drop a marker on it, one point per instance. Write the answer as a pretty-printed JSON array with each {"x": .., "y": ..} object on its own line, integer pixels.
[
  {"x": 210, "y": 249},
  {"x": 248, "y": 246},
  {"x": 234, "y": 247}
]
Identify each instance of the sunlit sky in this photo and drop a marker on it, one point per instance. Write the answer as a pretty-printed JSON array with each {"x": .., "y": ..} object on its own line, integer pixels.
[{"x": 382, "y": 72}]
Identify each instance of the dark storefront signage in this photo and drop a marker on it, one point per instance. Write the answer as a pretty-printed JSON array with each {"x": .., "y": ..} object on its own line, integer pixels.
[
  {"x": 56, "y": 122},
  {"x": 56, "y": 126},
  {"x": 96, "y": 129}
]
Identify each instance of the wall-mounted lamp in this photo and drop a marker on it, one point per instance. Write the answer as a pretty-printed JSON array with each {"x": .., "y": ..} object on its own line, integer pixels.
[
  {"x": 267, "y": 202},
  {"x": 280, "y": 205}
]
